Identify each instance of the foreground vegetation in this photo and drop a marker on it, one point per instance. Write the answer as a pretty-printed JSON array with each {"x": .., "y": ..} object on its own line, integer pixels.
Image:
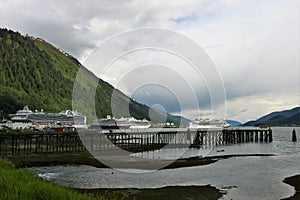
[{"x": 22, "y": 184}]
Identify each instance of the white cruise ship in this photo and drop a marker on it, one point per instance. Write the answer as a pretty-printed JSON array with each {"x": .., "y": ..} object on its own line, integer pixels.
[
  {"x": 26, "y": 118},
  {"x": 138, "y": 123},
  {"x": 21, "y": 115},
  {"x": 110, "y": 123},
  {"x": 208, "y": 123}
]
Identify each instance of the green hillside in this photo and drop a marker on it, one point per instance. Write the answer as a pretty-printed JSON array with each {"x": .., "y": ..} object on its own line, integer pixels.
[{"x": 35, "y": 73}]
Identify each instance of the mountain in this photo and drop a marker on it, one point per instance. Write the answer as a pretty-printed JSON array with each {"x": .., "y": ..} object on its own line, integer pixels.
[
  {"x": 279, "y": 118},
  {"x": 183, "y": 120},
  {"x": 35, "y": 73},
  {"x": 285, "y": 113},
  {"x": 233, "y": 122}
]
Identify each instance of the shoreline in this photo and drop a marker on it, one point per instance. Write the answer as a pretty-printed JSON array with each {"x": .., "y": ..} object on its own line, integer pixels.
[
  {"x": 168, "y": 193},
  {"x": 295, "y": 182},
  {"x": 174, "y": 192},
  {"x": 85, "y": 158}
]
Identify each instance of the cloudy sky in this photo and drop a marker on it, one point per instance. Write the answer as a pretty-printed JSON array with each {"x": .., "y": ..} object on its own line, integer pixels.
[{"x": 252, "y": 44}]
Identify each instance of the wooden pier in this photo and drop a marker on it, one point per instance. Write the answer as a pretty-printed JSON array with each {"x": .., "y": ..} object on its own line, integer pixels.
[{"x": 130, "y": 140}]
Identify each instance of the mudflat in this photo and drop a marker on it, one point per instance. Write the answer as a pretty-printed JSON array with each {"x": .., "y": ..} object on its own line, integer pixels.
[
  {"x": 167, "y": 193},
  {"x": 85, "y": 158},
  {"x": 295, "y": 182}
]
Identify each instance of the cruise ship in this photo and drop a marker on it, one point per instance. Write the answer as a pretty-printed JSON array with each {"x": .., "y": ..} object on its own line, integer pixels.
[
  {"x": 110, "y": 123},
  {"x": 26, "y": 118},
  {"x": 208, "y": 123},
  {"x": 136, "y": 123},
  {"x": 21, "y": 115}
]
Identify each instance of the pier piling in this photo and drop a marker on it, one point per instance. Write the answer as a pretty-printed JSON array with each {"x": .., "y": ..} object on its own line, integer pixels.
[
  {"x": 294, "y": 136},
  {"x": 270, "y": 136}
]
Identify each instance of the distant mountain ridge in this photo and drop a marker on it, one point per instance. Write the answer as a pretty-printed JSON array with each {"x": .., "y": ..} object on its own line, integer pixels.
[
  {"x": 279, "y": 118},
  {"x": 183, "y": 120},
  {"x": 233, "y": 122},
  {"x": 284, "y": 113}
]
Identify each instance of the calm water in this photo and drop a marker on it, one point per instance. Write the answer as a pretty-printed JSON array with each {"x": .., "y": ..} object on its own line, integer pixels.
[{"x": 248, "y": 177}]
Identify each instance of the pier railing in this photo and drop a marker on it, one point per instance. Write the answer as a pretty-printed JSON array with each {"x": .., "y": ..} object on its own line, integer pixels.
[{"x": 131, "y": 140}]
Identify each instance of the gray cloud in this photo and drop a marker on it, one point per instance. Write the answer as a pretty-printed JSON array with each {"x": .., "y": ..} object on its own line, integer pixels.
[{"x": 254, "y": 44}]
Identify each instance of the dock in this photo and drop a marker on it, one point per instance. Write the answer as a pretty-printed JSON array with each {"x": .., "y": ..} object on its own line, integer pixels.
[{"x": 133, "y": 140}]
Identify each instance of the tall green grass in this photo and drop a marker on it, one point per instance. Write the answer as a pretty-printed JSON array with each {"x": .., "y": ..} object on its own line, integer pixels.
[{"x": 22, "y": 184}]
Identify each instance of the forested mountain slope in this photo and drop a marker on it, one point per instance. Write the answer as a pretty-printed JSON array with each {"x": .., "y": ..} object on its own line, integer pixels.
[{"x": 35, "y": 73}]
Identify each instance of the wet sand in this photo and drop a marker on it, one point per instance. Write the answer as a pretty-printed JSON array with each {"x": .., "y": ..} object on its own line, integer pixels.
[
  {"x": 295, "y": 182},
  {"x": 85, "y": 158},
  {"x": 54, "y": 159},
  {"x": 40, "y": 160},
  {"x": 167, "y": 193}
]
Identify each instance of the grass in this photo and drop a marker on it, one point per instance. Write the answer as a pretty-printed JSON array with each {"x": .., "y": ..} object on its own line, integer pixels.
[{"x": 23, "y": 184}]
